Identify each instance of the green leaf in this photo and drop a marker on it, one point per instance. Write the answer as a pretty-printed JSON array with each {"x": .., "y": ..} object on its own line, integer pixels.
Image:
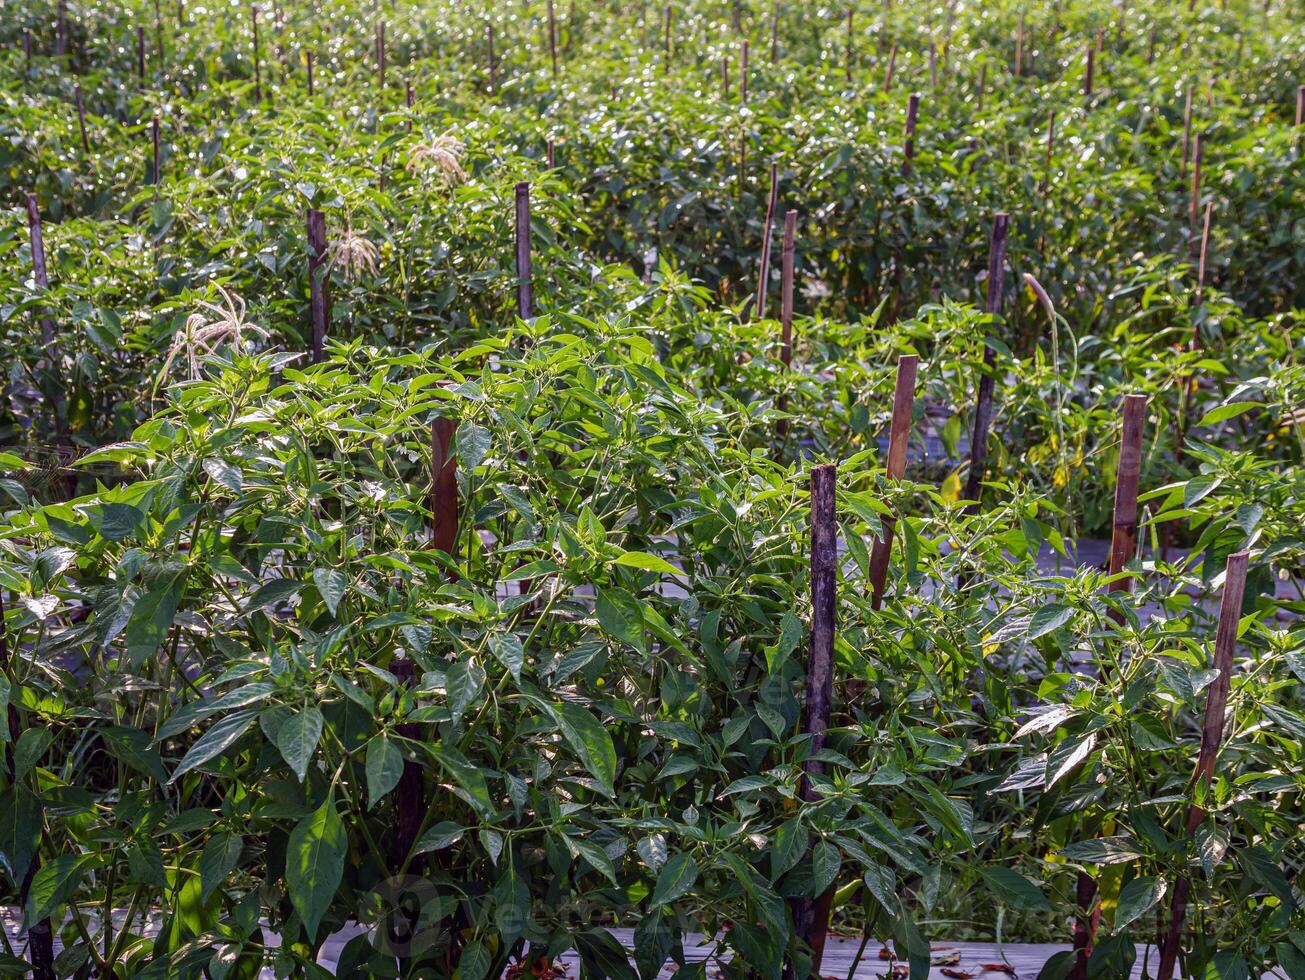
[
  {"x": 472, "y": 444},
  {"x": 151, "y": 618},
  {"x": 384, "y": 768},
  {"x": 227, "y": 474},
  {"x": 115, "y": 521},
  {"x": 1048, "y": 618},
  {"x": 331, "y": 583},
  {"x": 29, "y": 748},
  {"x": 677, "y": 878},
  {"x": 443, "y": 834},
  {"x": 215, "y": 741},
  {"x": 314, "y": 863},
  {"x": 507, "y": 649},
  {"x": 1103, "y": 850},
  {"x": 1014, "y": 889},
  {"x": 621, "y": 616},
  {"x": 647, "y": 562},
  {"x": 825, "y": 862},
  {"x": 132, "y": 747},
  {"x": 53, "y": 885},
  {"x": 218, "y": 859},
  {"x": 590, "y": 740},
  {"x": 20, "y": 830},
  {"x": 297, "y": 739},
  {"x": 1137, "y": 898},
  {"x": 1225, "y": 412}
]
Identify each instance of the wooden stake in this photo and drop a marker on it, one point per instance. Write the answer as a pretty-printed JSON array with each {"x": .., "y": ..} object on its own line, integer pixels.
[
  {"x": 908, "y": 141},
  {"x": 140, "y": 55},
  {"x": 666, "y": 41},
  {"x": 1216, "y": 706},
  {"x": 725, "y": 76},
  {"x": 493, "y": 69},
  {"x": 380, "y": 55},
  {"x": 812, "y": 918},
  {"x": 1019, "y": 48},
  {"x": 1300, "y": 105},
  {"x": 743, "y": 72},
  {"x": 319, "y": 301},
  {"x": 786, "y": 289},
  {"x": 1123, "y": 536},
  {"x": 774, "y": 33},
  {"x": 258, "y": 81},
  {"x": 1087, "y": 75},
  {"x": 851, "y": 53},
  {"x": 39, "y": 274},
  {"x": 27, "y": 52},
  {"x": 1194, "y": 197},
  {"x": 763, "y": 276},
  {"x": 899, "y": 435},
  {"x": 81, "y": 118},
  {"x": 983, "y": 403},
  {"x": 1200, "y": 268},
  {"x": 552, "y": 36},
  {"x": 1046, "y": 166},
  {"x": 155, "y": 170},
  {"x": 525, "y": 288},
  {"x": 444, "y": 487},
  {"x": 933, "y": 65},
  {"x": 310, "y": 74},
  {"x": 1187, "y": 129},
  {"x": 888, "y": 72}
]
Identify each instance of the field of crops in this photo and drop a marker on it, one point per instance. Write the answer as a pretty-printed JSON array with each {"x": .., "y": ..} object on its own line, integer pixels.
[{"x": 503, "y": 475}]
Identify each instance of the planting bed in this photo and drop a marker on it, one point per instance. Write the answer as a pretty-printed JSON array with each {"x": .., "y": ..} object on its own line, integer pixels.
[{"x": 491, "y": 489}]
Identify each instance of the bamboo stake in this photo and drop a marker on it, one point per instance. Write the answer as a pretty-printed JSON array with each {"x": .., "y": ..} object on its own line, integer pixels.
[
  {"x": 983, "y": 403},
  {"x": 1216, "y": 706},
  {"x": 81, "y": 118},
  {"x": 908, "y": 141},
  {"x": 812, "y": 918},
  {"x": 319, "y": 302},
  {"x": 888, "y": 72},
  {"x": 552, "y": 37},
  {"x": 899, "y": 435},
  {"x": 525, "y": 288},
  {"x": 763, "y": 276}
]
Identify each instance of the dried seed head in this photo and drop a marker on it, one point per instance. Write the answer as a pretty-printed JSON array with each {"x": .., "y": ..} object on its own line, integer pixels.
[
  {"x": 442, "y": 154},
  {"x": 208, "y": 328},
  {"x": 353, "y": 255}
]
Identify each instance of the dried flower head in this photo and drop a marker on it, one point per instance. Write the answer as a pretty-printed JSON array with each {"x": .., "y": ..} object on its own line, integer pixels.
[
  {"x": 444, "y": 154},
  {"x": 208, "y": 328},
  {"x": 353, "y": 255}
]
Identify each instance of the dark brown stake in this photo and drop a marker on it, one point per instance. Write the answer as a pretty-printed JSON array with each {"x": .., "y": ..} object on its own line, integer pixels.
[
  {"x": 763, "y": 274},
  {"x": 525, "y": 289},
  {"x": 812, "y": 918},
  {"x": 1300, "y": 105},
  {"x": 158, "y": 34},
  {"x": 1194, "y": 197},
  {"x": 39, "y": 274},
  {"x": 1019, "y": 48},
  {"x": 1216, "y": 706},
  {"x": 786, "y": 289},
  {"x": 1150, "y": 45},
  {"x": 140, "y": 55},
  {"x": 1087, "y": 74},
  {"x": 155, "y": 170},
  {"x": 493, "y": 68},
  {"x": 666, "y": 40},
  {"x": 899, "y": 435},
  {"x": 552, "y": 37},
  {"x": 725, "y": 76},
  {"x": 1187, "y": 130},
  {"x": 27, "y": 52},
  {"x": 310, "y": 73},
  {"x": 743, "y": 72},
  {"x": 908, "y": 142},
  {"x": 888, "y": 71},
  {"x": 1123, "y": 536},
  {"x": 851, "y": 51},
  {"x": 444, "y": 487},
  {"x": 81, "y": 118},
  {"x": 983, "y": 403},
  {"x": 319, "y": 295},
  {"x": 61, "y": 27},
  {"x": 408, "y": 100},
  {"x": 380, "y": 55},
  {"x": 258, "y": 81},
  {"x": 552, "y": 158},
  {"x": 774, "y": 33},
  {"x": 1201, "y": 268}
]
